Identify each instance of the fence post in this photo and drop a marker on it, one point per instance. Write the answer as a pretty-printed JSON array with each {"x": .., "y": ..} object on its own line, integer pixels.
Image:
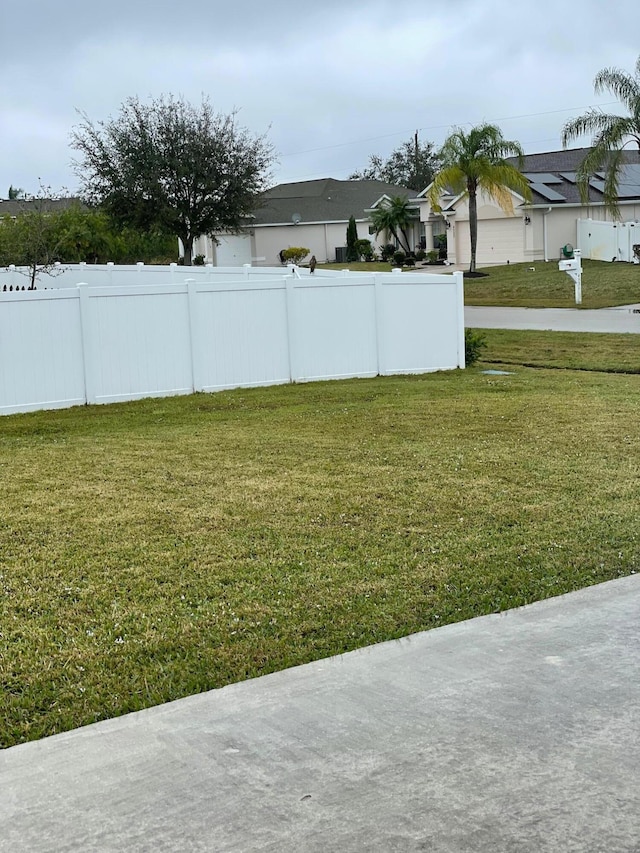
[
  {"x": 459, "y": 285},
  {"x": 197, "y": 382},
  {"x": 381, "y": 361},
  {"x": 292, "y": 344},
  {"x": 88, "y": 360}
]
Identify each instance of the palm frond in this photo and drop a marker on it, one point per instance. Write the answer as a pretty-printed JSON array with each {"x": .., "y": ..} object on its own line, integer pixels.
[{"x": 621, "y": 85}]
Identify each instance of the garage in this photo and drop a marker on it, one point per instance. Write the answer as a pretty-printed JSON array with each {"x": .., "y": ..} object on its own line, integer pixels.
[
  {"x": 499, "y": 240},
  {"x": 233, "y": 250}
]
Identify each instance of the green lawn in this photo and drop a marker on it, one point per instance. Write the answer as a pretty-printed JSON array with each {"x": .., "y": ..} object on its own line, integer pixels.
[
  {"x": 603, "y": 284},
  {"x": 599, "y": 352},
  {"x": 154, "y": 549},
  {"x": 540, "y": 285}
]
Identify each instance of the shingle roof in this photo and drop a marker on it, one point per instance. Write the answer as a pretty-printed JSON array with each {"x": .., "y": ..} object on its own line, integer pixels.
[
  {"x": 14, "y": 208},
  {"x": 323, "y": 200},
  {"x": 552, "y": 177}
]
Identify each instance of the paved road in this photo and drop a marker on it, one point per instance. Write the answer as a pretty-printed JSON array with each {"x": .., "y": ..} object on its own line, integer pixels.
[
  {"x": 621, "y": 320},
  {"x": 512, "y": 732}
]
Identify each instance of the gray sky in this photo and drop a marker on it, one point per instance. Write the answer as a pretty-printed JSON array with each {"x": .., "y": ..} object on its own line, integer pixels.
[{"x": 332, "y": 82}]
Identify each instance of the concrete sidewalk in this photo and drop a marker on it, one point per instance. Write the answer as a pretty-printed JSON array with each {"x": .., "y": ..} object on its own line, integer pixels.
[{"x": 511, "y": 732}]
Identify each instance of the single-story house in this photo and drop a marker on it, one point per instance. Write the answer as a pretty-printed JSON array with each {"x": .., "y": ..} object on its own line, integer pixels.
[
  {"x": 313, "y": 214},
  {"x": 536, "y": 230}
]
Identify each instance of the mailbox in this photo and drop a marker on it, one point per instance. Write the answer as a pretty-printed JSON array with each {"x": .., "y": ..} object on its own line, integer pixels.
[{"x": 565, "y": 266}]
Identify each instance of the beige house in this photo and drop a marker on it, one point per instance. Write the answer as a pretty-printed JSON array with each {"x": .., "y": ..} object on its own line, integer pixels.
[
  {"x": 313, "y": 214},
  {"x": 536, "y": 230}
]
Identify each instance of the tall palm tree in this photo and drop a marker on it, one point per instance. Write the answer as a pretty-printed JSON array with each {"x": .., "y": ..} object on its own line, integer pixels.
[
  {"x": 395, "y": 217},
  {"x": 610, "y": 133},
  {"x": 475, "y": 162}
]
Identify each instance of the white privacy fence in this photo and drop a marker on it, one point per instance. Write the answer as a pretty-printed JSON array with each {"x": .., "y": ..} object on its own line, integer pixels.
[
  {"x": 106, "y": 275},
  {"x": 101, "y": 344},
  {"x": 609, "y": 241}
]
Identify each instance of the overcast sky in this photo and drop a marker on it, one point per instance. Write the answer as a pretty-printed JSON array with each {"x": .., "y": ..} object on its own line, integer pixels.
[{"x": 330, "y": 81}]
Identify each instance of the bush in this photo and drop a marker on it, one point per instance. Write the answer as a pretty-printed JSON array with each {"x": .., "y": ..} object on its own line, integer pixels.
[
  {"x": 365, "y": 250},
  {"x": 294, "y": 254},
  {"x": 410, "y": 261},
  {"x": 432, "y": 256},
  {"x": 387, "y": 251},
  {"x": 198, "y": 261},
  {"x": 353, "y": 252},
  {"x": 421, "y": 255},
  {"x": 399, "y": 257},
  {"x": 440, "y": 243},
  {"x": 474, "y": 343}
]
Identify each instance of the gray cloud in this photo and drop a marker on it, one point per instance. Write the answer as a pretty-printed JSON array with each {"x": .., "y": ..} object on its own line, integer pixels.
[{"x": 333, "y": 82}]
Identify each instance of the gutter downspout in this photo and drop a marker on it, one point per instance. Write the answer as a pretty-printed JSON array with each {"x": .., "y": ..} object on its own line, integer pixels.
[{"x": 545, "y": 213}]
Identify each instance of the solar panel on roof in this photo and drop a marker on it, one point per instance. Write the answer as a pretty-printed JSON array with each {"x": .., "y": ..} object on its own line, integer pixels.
[
  {"x": 569, "y": 176},
  {"x": 542, "y": 178},
  {"x": 547, "y": 192}
]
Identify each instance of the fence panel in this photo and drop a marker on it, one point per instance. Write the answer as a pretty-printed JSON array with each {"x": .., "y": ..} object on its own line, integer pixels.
[
  {"x": 420, "y": 324},
  {"x": 41, "y": 361},
  {"x": 138, "y": 342},
  {"x": 333, "y": 328},
  {"x": 240, "y": 334}
]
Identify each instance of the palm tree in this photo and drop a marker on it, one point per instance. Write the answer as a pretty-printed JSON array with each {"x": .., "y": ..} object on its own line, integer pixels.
[
  {"x": 395, "y": 217},
  {"x": 610, "y": 133},
  {"x": 475, "y": 162}
]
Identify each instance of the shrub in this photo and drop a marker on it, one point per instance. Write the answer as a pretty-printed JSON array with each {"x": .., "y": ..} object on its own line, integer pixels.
[
  {"x": 432, "y": 256},
  {"x": 440, "y": 243},
  {"x": 421, "y": 255},
  {"x": 353, "y": 253},
  {"x": 294, "y": 254},
  {"x": 399, "y": 257},
  {"x": 365, "y": 250},
  {"x": 198, "y": 261},
  {"x": 474, "y": 343},
  {"x": 387, "y": 251},
  {"x": 410, "y": 261}
]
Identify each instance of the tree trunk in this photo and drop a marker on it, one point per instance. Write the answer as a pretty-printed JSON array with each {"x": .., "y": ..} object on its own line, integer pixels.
[
  {"x": 473, "y": 226},
  {"x": 406, "y": 241},
  {"x": 187, "y": 243}
]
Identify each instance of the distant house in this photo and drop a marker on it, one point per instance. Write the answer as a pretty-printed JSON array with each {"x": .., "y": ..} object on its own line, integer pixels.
[
  {"x": 14, "y": 207},
  {"x": 539, "y": 229},
  {"x": 313, "y": 214}
]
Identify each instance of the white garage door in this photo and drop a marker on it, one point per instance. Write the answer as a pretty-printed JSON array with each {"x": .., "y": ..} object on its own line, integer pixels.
[
  {"x": 233, "y": 250},
  {"x": 499, "y": 241}
]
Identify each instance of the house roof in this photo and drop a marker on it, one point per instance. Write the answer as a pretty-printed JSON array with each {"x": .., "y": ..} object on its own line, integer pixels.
[
  {"x": 552, "y": 177},
  {"x": 14, "y": 208},
  {"x": 323, "y": 200}
]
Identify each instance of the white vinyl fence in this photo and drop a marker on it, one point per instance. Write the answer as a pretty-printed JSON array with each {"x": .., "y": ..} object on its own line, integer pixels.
[
  {"x": 608, "y": 241},
  {"x": 100, "y": 344}
]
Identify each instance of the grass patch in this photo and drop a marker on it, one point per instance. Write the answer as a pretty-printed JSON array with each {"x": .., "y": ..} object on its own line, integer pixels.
[
  {"x": 599, "y": 352},
  {"x": 603, "y": 285},
  {"x": 159, "y": 548}
]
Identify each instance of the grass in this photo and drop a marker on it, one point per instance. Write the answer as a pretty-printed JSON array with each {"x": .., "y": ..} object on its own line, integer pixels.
[
  {"x": 597, "y": 352},
  {"x": 159, "y": 548},
  {"x": 603, "y": 284}
]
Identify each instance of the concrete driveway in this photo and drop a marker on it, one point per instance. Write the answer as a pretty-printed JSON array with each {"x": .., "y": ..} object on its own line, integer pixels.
[{"x": 511, "y": 732}]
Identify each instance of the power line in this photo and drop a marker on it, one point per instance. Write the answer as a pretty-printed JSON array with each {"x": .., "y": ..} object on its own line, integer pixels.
[{"x": 437, "y": 127}]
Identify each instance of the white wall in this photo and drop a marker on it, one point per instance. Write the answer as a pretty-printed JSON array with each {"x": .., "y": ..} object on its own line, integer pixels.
[{"x": 103, "y": 344}]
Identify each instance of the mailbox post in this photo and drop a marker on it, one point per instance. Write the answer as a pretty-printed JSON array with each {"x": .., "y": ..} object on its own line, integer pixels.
[{"x": 573, "y": 268}]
